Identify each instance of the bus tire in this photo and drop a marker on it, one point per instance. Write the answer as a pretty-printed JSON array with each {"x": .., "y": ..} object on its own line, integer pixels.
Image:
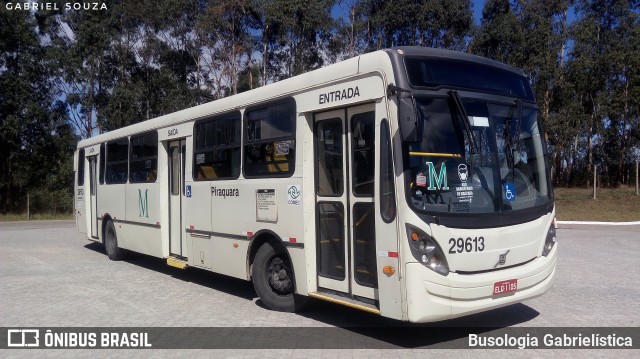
[
  {"x": 272, "y": 276},
  {"x": 114, "y": 252}
]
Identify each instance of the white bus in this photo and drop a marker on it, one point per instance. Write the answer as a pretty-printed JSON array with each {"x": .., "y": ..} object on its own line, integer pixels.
[{"x": 410, "y": 182}]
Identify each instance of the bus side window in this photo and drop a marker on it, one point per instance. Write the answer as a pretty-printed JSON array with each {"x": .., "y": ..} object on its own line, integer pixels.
[
  {"x": 81, "y": 167},
  {"x": 143, "y": 161},
  {"x": 117, "y": 163},
  {"x": 216, "y": 153},
  {"x": 270, "y": 143}
]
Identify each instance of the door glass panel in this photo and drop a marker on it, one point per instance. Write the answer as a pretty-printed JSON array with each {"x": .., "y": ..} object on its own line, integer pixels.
[
  {"x": 362, "y": 143},
  {"x": 364, "y": 251},
  {"x": 92, "y": 175},
  {"x": 175, "y": 171},
  {"x": 183, "y": 150},
  {"x": 331, "y": 240},
  {"x": 330, "y": 177}
]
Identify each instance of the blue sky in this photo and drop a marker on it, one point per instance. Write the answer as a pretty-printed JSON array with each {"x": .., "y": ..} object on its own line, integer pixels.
[{"x": 477, "y": 10}]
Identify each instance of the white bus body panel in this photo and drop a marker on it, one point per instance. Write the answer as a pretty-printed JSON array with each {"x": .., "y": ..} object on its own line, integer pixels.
[
  {"x": 428, "y": 299},
  {"x": 141, "y": 231},
  {"x": 433, "y": 297}
]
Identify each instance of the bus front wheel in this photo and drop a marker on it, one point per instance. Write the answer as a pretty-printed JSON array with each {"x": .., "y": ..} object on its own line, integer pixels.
[
  {"x": 114, "y": 252},
  {"x": 272, "y": 276}
]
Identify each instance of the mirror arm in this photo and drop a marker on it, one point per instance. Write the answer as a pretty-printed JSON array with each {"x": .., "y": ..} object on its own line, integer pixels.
[{"x": 396, "y": 90}]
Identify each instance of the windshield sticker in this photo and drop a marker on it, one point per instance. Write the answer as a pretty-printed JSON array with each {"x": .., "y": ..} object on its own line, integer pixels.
[
  {"x": 463, "y": 173},
  {"x": 509, "y": 192},
  {"x": 421, "y": 180},
  {"x": 464, "y": 193},
  {"x": 478, "y": 121},
  {"x": 437, "y": 181}
]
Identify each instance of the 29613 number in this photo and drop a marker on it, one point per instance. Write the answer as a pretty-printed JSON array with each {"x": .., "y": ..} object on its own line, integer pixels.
[{"x": 461, "y": 245}]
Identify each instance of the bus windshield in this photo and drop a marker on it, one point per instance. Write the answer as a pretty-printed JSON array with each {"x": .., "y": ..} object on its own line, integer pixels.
[{"x": 495, "y": 162}]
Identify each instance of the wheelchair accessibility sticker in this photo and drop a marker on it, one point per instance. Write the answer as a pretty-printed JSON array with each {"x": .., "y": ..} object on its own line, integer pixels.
[{"x": 509, "y": 192}]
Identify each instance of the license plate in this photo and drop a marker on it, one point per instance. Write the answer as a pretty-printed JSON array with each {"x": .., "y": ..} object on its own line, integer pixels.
[{"x": 505, "y": 286}]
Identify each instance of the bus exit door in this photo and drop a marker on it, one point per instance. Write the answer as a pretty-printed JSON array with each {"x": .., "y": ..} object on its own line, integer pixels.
[
  {"x": 177, "y": 242},
  {"x": 345, "y": 211}
]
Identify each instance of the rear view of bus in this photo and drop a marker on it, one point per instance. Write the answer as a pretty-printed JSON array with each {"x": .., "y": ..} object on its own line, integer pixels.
[{"x": 475, "y": 202}]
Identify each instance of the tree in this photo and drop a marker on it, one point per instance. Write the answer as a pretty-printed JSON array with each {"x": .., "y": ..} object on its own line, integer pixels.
[
  {"x": 224, "y": 31},
  {"x": 36, "y": 141},
  {"x": 294, "y": 35},
  {"x": 603, "y": 65},
  {"x": 434, "y": 23},
  {"x": 500, "y": 35}
]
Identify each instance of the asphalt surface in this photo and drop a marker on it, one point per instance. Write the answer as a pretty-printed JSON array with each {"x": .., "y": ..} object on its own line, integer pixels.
[{"x": 49, "y": 278}]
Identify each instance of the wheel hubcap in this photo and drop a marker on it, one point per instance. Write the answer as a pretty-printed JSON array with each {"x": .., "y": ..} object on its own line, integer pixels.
[{"x": 279, "y": 275}]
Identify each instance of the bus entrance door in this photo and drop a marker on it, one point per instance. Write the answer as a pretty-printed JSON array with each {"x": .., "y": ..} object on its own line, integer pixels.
[
  {"x": 177, "y": 245},
  {"x": 345, "y": 211}
]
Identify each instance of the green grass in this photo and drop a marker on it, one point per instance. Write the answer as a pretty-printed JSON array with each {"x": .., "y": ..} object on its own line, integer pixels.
[
  {"x": 611, "y": 204},
  {"x": 35, "y": 217}
]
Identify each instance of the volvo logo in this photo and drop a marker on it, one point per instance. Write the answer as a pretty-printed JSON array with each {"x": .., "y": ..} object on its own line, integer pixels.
[{"x": 502, "y": 259}]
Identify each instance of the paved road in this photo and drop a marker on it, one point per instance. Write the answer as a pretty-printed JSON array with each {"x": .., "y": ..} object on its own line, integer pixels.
[{"x": 50, "y": 278}]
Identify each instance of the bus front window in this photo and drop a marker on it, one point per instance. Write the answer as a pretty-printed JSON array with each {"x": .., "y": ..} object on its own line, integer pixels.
[{"x": 506, "y": 171}]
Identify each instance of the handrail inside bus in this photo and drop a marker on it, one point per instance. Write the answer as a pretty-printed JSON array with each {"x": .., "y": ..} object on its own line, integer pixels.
[{"x": 434, "y": 154}]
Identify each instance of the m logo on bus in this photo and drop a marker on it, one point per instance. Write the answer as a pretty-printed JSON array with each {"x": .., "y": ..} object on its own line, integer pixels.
[
  {"x": 143, "y": 204},
  {"x": 437, "y": 180}
]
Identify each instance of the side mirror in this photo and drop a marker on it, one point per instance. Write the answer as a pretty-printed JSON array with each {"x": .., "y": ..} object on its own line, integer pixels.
[{"x": 407, "y": 118}]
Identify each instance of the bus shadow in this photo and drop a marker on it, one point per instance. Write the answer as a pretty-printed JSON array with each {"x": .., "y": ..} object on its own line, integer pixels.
[
  {"x": 352, "y": 327},
  {"x": 219, "y": 282},
  {"x": 381, "y": 332}
]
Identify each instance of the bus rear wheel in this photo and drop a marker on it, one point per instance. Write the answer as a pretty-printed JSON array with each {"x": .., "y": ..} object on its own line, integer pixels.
[
  {"x": 272, "y": 276},
  {"x": 114, "y": 252}
]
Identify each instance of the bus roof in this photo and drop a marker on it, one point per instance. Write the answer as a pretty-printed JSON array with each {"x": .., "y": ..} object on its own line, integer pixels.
[{"x": 418, "y": 51}]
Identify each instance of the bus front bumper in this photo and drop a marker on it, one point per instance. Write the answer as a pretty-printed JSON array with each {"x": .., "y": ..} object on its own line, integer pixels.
[{"x": 432, "y": 297}]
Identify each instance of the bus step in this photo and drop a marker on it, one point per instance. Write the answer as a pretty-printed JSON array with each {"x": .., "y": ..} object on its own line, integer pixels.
[
  {"x": 349, "y": 302},
  {"x": 178, "y": 263}
]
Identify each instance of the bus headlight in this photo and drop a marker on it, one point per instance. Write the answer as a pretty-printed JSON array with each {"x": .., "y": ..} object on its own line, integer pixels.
[
  {"x": 426, "y": 251},
  {"x": 551, "y": 239}
]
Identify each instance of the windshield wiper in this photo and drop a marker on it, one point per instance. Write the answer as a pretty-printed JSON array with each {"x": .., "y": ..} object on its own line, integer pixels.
[
  {"x": 513, "y": 135},
  {"x": 465, "y": 121}
]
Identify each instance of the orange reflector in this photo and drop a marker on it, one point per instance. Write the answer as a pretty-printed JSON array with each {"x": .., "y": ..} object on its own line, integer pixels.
[
  {"x": 415, "y": 236},
  {"x": 235, "y": 245},
  {"x": 388, "y": 270}
]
